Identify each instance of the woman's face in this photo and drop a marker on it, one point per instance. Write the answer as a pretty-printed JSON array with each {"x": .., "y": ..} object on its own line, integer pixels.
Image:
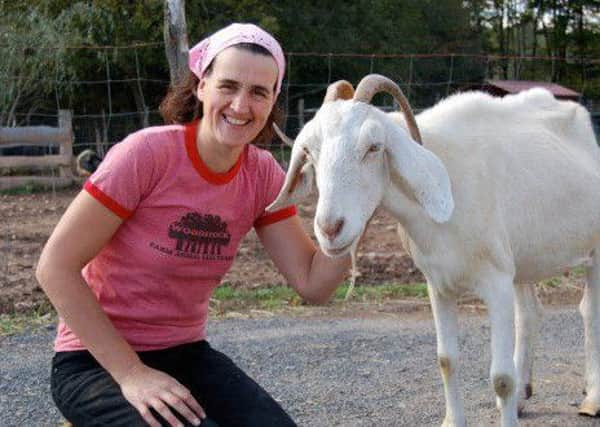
[{"x": 237, "y": 97}]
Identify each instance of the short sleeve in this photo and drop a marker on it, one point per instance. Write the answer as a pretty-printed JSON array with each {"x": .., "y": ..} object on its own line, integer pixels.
[
  {"x": 273, "y": 179},
  {"x": 123, "y": 177}
]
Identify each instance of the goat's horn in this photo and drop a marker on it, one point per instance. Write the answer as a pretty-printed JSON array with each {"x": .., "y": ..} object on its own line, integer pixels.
[
  {"x": 339, "y": 90},
  {"x": 375, "y": 83},
  {"x": 288, "y": 141}
]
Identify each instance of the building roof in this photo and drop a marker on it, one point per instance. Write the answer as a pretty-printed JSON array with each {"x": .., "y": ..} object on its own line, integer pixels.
[{"x": 516, "y": 86}]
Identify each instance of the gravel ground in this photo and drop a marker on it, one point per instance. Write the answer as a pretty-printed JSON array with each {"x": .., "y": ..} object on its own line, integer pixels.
[{"x": 377, "y": 371}]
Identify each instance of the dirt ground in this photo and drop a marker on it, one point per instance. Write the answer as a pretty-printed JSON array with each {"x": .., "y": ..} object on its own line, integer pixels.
[{"x": 27, "y": 221}]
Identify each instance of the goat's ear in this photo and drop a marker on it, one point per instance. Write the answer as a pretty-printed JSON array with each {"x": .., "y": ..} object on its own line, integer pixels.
[
  {"x": 299, "y": 182},
  {"x": 422, "y": 172}
]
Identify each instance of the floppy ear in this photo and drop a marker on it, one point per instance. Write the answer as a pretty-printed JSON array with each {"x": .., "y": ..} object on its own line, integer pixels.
[
  {"x": 423, "y": 172},
  {"x": 299, "y": 181}
]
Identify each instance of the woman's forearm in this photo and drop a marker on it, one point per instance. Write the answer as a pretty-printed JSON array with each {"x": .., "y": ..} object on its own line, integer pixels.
[
  {"x": 77, "y": 305},
  {"x": 324, "y": 277}
]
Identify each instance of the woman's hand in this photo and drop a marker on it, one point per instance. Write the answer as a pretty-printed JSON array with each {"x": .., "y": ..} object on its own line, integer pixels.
[{"x": 146, "y": 388}]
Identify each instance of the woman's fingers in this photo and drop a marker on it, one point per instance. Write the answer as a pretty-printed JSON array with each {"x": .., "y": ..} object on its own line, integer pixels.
[
  {"x": 185, "y": 395},
  {"x": 147, "y": 415},
  {"x": 165, "y": 412},
  {"x": 181, "y": 406}
]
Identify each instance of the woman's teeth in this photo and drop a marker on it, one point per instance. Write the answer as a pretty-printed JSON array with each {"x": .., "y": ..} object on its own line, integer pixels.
[{"x": 236, "y": 122}]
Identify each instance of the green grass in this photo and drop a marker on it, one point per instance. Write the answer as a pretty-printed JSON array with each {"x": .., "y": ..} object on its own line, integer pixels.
[
  {"x": 228, "y": 298},
  {"x": 11, "y": 324},
  {"x": 383, "y": 292},
  {"x": 25, "y": 190}
]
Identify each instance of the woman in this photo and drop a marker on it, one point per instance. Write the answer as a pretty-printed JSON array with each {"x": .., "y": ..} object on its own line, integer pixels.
[{"x": 132, "y": 263}]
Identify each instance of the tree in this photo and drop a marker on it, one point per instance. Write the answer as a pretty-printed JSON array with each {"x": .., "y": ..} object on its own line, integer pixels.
[{"x": 176, "y": 41}]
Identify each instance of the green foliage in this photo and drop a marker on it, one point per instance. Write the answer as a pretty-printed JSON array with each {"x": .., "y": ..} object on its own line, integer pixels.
[
  {"x": 384, "y": 292},
  {"x": 227, "y": 297},
  {"x": 35, "y": 36}
]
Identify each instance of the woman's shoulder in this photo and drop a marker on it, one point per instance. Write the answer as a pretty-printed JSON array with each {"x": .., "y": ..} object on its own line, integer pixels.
[
  {"x": 260, "y": 157},
  {"x": 158, "y": 134},
  {"x": 262, "y": 162}
]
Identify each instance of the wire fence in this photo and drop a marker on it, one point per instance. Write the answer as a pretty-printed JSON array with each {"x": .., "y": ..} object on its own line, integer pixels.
[{"x": 122, "y": 98}]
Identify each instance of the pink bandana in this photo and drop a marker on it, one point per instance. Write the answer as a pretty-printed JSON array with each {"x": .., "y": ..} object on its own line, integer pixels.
[{"x": 201, "y": 55}]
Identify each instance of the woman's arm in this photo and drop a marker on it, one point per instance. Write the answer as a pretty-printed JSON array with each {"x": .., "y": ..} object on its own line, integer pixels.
[
  {"x": 311, "y": 273},
  {"x": 84, "y": 229}
]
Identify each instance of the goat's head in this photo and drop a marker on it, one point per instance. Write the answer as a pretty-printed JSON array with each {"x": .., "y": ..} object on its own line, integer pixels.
[{"x": 352, "y": 152}]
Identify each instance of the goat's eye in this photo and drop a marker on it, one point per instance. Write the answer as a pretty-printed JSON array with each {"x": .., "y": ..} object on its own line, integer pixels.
[{"x": 374, "y": 148}]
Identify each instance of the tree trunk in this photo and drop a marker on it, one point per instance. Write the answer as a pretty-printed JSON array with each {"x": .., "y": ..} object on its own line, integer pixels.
[{"x": 176, "y": 42}]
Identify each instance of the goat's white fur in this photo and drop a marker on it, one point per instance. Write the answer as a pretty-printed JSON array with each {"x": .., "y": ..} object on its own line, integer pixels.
[{"x": 503, "y": 192}]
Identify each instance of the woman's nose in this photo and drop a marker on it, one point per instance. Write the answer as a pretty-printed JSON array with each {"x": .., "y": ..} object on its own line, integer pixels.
[{"x": 240, "y": 103}]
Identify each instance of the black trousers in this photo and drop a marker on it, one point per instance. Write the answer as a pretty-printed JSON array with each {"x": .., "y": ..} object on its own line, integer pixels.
[{"x": 87, "y": 395}]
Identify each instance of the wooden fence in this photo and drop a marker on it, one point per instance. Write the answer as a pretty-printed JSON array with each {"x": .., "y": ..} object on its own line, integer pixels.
[{"x": 44, "y": 136}]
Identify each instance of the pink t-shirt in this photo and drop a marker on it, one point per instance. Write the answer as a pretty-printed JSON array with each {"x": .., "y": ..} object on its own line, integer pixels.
[{"x": 182, "y": 227}]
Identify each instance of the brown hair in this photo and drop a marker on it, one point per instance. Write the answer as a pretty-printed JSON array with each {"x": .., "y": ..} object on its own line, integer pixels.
[{"x": 181, "y": 105}]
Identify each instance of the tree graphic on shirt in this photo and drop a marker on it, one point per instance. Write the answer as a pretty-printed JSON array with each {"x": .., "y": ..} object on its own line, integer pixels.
[{"x": 197, "y": 233}]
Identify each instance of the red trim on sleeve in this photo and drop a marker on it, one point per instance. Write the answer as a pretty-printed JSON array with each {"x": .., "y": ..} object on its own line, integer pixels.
[
  {"x": 276, "y": 216},
  {"x": 192, "y": 151},
  {"x": 106, "y": 200}
]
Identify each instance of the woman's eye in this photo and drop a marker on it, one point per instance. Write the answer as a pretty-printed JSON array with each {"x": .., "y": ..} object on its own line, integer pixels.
[{"x": 260, "y": 94}]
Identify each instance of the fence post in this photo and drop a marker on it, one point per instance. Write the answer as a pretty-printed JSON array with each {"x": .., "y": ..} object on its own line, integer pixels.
[
  {"x": 65, "y": 121},
  {"x": 300, "y": 113}
]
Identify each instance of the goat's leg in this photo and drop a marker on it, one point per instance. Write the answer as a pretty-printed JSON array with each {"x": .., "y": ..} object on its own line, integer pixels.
[
  {"x": 527, "y": 320},
  {"x": 590, "y": 311},
  {"x": 446, "y": 324},
  {"x": 498, "y": 294}
]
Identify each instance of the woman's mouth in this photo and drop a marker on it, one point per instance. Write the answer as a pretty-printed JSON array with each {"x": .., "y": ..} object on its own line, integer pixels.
[{"x": 234, "y": 121}]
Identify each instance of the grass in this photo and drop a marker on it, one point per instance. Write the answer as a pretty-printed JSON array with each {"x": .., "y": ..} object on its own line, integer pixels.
[
  {"x": 227, "y": 298},
  {"x": 12, "y": 324},
  {"x": 25, "y": 190}
]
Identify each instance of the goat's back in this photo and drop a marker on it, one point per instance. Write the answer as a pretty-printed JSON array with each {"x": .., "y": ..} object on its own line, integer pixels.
[{"x": 525, "y": 169}]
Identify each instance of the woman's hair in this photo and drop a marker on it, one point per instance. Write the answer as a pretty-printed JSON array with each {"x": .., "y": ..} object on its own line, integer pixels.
[{"x": 181, "y": 105}]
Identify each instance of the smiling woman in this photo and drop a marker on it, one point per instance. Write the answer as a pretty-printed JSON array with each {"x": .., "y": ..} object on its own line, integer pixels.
[{"x": 132, "y": 264}]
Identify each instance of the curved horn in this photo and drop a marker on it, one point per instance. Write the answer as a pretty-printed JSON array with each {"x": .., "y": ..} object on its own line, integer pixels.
[
  {"x": 288, "y": 141},
  {"x": 339, "y": 90},
  {"x": 375, "y": 83}
]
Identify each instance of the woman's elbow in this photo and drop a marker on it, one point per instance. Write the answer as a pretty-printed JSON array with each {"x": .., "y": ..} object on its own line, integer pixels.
[{"x": 42, "y": 271}]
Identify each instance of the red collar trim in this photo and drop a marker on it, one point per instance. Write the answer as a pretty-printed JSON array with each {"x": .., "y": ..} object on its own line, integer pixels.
[{"x": 192, "y": 152}]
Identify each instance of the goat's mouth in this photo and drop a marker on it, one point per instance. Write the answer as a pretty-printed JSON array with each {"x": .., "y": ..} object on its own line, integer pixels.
[{"x": 336, "y": 252}]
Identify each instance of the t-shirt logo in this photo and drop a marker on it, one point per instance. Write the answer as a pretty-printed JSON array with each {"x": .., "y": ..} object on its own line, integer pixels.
[{"x": 196, "y": 233}]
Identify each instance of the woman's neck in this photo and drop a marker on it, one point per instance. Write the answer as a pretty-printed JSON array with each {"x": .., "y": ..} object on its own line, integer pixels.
[{"x": 219, "y": 158}]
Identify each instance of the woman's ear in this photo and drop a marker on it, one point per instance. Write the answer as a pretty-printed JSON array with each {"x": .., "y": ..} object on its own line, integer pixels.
[
  {"x": 200, "y": 90},
  {"x": 423, "y": 172}
]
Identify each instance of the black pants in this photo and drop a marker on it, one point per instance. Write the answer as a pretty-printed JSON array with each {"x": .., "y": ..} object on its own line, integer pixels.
[{"x": 87, "y": 395}]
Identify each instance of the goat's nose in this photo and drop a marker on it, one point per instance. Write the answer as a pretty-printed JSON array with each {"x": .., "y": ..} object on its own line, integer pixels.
[{"x": 331, "y": 229}]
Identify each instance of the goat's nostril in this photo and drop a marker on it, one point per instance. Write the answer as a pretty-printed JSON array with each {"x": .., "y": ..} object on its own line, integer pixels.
[
  {"x": 338, "y": 226},
  {"x": 332, "y": 230}
]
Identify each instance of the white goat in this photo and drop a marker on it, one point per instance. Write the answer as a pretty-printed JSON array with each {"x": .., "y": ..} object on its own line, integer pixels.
[{"x": 502, "y": 192}]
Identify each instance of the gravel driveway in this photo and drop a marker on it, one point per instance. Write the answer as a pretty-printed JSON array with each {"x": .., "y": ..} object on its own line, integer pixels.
[{"x": 379, "y": 371}]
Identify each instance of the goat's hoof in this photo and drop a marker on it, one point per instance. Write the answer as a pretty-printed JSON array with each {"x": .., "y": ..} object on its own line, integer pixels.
[{"x": 590, "y": 408}]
